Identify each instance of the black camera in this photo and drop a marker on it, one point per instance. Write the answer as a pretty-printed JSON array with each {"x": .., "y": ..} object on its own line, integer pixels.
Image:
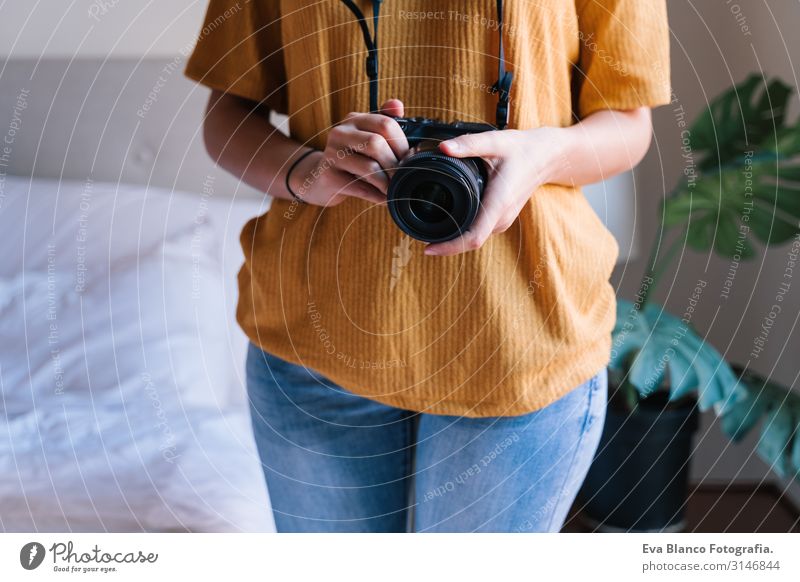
[{"x": 434, "y": 197}]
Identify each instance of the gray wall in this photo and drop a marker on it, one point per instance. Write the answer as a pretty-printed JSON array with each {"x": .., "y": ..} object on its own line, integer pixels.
[
  {"x": 55, "y": 29},
  {"x": 712, "y": 49}
]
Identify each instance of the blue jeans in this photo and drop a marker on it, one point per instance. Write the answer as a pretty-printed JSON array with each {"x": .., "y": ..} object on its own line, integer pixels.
[{"x": 338, "y": 462}]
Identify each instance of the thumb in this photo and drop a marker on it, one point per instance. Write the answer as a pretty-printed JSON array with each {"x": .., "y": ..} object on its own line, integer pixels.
[
  {"x": 471, "y": 145},
  {"x": 393, "y": 107}
]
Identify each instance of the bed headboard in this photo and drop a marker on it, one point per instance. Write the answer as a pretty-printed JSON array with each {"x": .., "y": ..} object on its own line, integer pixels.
[
  {"x": 129, "y": 120},
  {"x": 138, "y": 121}
]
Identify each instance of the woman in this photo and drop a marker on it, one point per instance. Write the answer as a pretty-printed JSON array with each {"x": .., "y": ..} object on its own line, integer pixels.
[{"x": 452, "y": 386}]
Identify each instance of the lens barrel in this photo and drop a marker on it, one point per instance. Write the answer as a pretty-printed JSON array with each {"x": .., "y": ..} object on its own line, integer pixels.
[{"x": 434, "y": 197}]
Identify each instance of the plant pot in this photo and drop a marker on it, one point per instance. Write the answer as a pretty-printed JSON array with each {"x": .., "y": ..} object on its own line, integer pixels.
[{"x": 638, "y": 481}]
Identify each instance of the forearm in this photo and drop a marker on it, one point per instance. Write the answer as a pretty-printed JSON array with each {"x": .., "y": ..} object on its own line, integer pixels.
[
  {"x": 247, "y": 145},
  {"x": 602, "y": 145}
]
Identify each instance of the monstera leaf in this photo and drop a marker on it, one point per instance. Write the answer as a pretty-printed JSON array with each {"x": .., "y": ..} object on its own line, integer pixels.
[
  {"x": 742, "y": 185},
  {"x": 779, "y": 441},
  {"x": 743, "y": 117},
  {"x": 648, "y": 343},
  {"x": 748, "y": 184}
]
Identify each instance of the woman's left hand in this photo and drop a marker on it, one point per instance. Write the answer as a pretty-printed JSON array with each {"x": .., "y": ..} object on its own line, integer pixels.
[{"x": 519, "y": 161}]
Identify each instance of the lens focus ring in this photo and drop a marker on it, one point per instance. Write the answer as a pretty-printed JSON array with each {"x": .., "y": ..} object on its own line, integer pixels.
[{"x": 419, "y": 182}]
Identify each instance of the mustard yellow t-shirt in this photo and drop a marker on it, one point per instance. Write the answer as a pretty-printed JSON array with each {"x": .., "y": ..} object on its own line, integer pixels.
[{"x": 501, "y": 331}]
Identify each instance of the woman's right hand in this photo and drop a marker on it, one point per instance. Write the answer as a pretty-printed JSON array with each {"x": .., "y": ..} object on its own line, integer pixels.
[{"x": 358, "y": 155}]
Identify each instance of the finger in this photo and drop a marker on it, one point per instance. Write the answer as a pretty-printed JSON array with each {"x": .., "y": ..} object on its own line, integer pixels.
[
  {"x": 486, "y": 144},
  {"x": 510, "y": 216},
  {"x": 349, "y": 185},
  {"x": 365, "y": 168},
  {"x": 491, "y": 211},
  {"x": 393, "y": 108},
  {"x": 349, "y": 140},
  {"x": 384, "y": 126}
]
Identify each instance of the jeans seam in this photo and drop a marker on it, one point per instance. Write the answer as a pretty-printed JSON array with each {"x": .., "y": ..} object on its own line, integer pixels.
[
  {"x": 410, "y": 468},
  {"x": 584, "y": 427}
]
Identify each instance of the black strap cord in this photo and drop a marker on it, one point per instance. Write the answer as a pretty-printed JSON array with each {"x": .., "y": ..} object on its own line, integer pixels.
[
  {"x": 504, "y": 78},
  {"x": 372, "y": 47}
]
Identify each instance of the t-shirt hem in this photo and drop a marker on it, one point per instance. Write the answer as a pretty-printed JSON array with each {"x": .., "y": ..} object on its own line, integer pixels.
[{"x": 545, "y": 389}]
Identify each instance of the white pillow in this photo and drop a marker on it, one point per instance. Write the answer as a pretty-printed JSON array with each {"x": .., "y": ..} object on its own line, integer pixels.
[{"x": 108, "y": 288}]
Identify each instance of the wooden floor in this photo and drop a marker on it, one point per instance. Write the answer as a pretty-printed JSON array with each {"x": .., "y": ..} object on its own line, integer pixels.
[{"x": 739, "y": 508}]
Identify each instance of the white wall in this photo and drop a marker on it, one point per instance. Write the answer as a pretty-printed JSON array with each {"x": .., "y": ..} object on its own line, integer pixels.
[{"x": 98, "y": 28}]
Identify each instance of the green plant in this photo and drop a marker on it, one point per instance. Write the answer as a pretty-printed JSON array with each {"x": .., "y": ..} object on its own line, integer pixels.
[
  {"x": 743, "y": 184},
  {"x": 779, "y": 441}
]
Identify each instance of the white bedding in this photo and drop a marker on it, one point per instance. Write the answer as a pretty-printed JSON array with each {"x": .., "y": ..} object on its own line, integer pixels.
[{"x": 123, "y": 405}]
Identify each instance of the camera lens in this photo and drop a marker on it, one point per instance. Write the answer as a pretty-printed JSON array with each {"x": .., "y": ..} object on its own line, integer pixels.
[
  {"x": 434, "y": 197},
  {"x": 431, "y": 202}
]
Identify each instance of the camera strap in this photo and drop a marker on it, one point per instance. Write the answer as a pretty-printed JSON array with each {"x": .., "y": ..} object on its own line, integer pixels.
[
  {"x": 504, "y": 78},
  {"x": 371, "y": 40}
]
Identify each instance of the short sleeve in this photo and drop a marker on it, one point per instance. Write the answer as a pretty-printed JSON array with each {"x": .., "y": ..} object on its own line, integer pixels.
[
  {"x": 624, "y": 55},
  {"x": 239, "y": 51}
]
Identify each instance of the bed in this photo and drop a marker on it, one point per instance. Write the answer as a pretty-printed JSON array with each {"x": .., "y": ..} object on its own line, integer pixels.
[
  {"x": 123, "y": 405},
  {"x": 122, "y": 400}
]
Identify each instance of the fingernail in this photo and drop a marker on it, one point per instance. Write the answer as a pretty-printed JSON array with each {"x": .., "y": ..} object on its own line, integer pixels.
[
  {"x": 431, "y": 252},
  {"x": 452, "y": 145}
]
